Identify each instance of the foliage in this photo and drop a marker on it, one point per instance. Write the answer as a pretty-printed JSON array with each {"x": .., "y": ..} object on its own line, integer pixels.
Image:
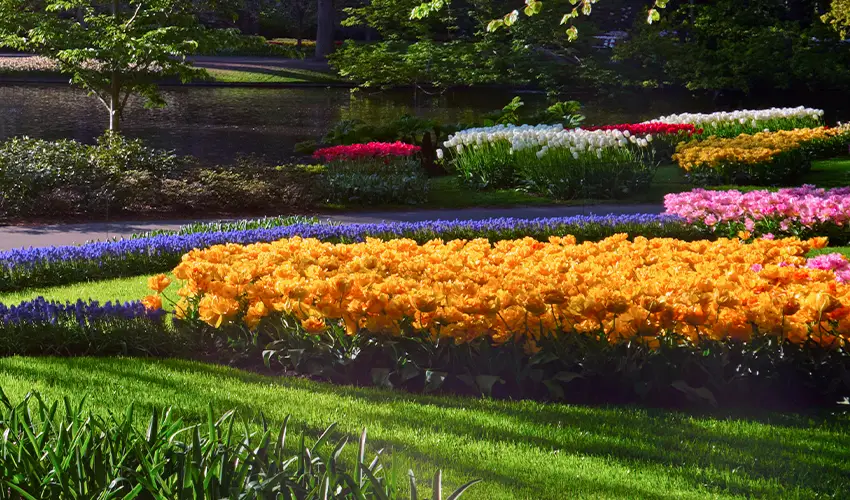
[
  {"x": 237, "y": 44},
  {"x": 395, "y": 63},
  {"x": 838, "y": 16},
  {"x": 111, "y": 53},
  {"x": 375, "y": 182},
  {"x": 454, "y": 49},
  {"x": 534, "y": 7},
  {"x": 584, "y": 370},
  {"x": 40, "y": 177},
  {"x": 718, "y": 45},
  {"x": 44, "y": 178},
  {"x": 38, "y": 267},
  {"x": 220, "y": 458}
]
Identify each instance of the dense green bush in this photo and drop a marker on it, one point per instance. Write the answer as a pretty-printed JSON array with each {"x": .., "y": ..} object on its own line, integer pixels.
[
  {"x": 40, "y": 177},
  {"x": 81, "y": 455},
  {"x": 44, "y": 178}
]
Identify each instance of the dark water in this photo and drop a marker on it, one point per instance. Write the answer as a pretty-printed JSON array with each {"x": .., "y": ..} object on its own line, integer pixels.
[{"x": 218, "y": 124}]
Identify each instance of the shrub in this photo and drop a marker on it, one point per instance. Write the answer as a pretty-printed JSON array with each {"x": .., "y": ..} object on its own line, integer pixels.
[
  {"x": 41, "y": 178},
  {"x": 169, "y": 458},
  {"x": 547, "y": 159},
  {"x": 37, "y": 267}
]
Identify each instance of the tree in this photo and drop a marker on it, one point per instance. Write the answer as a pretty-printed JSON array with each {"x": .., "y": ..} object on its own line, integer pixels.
[
  {"x": 325, "y": 28},
  {"x": 534, "y": 7},
  {"x": 112, "y": 48},
  {"x": 839, "y": 16}
]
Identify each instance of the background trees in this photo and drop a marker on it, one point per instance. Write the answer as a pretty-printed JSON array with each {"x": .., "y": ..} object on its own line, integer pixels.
[{"x": 113, "y": 48}]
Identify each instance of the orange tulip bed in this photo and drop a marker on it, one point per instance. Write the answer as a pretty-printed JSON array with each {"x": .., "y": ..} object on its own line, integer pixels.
[{"x": 566, "y": 315}]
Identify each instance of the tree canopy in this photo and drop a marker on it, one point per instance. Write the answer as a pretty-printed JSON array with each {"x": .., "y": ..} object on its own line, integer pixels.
[{"x": 534, "y": 7}]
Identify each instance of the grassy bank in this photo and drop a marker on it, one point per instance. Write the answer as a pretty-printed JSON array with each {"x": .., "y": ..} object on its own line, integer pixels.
[{"x": 520, "y": 449}]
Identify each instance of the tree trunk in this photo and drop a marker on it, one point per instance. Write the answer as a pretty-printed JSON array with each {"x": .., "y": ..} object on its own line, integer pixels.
[
  {"x": 115, "y": 103},
  {"x": 325, "y": 28},
  {"x": 115, "y": 87}
]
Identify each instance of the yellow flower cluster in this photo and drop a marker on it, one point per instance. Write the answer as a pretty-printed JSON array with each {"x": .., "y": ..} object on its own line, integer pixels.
[
  {"x": 523, "y": 288},
  {"x": 749, "y": 149}
]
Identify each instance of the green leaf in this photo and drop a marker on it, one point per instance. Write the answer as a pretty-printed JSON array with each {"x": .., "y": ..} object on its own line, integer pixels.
[
  {"x": 511, "y": 18},
  {"x": 572, "y": 33},
  {"x": 460, "y": 491},
  {"x": 653, "y": 16}
]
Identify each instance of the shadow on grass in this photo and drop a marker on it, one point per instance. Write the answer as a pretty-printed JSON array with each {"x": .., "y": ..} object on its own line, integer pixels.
[{"x": 764, "y": 456}]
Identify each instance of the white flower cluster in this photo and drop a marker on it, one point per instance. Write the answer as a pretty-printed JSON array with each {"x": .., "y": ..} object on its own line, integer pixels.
[
  {"x": 744, "y": 116},
  {"x": 545, "y": 137}
]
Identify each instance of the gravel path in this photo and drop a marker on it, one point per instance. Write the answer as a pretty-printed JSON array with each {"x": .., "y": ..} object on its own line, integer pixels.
[{"x": 68, "y": 234}]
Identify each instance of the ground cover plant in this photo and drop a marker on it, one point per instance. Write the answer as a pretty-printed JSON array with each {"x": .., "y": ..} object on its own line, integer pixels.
[
  {"x": 40, "y": 267},
  {"x": 113, "y": 457},
  {"x": 752, "y": 318},
  {"x": 764, "y": 158},
  {"x": 520, "y": 449}
]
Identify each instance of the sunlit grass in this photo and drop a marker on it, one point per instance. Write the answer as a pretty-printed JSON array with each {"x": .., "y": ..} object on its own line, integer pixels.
[
  {"x": 283, "y": 75},
  {"x": 520, "y": 449}
]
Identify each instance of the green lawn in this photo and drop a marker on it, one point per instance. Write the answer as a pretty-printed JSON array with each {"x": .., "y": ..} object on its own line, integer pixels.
[
  {"x": 520, "y": 449},
  {"x": 121, "y": 289},
  {"x": 670, "y": 179},
  {"x": 448, "y": 192},
  {"x": 288, "y": 75}
]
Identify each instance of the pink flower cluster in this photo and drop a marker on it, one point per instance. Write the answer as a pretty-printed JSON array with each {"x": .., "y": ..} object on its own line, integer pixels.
[
  {"x": 657, "y": 128},
  {"x": 368, "y": 150},
  {"x": 832, "y": 262},
  {"x": 803, "y": 206}
]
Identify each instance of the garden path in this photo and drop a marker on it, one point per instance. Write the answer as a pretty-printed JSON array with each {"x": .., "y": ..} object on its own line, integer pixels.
[{"x": 66, "y": 234}]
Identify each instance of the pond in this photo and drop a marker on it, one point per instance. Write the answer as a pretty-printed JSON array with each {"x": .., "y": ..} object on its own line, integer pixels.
[{"x": 220, "y": 123}]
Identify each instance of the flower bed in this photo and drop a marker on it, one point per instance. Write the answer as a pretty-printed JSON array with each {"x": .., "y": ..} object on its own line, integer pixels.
[
  {"x": 47, "y": 266},
  {"x": 804, "y": 211},
  {"x": 745, "y": 121},
  {"x": 659, "y": 320},
  {"x": 624, "y": 290},
  {"x": 666, "y": 135},
  {"x": 375, "y": 173},
  {"x": 384, "y": 150},
  {"x": 764, "y": 158},
  {"x": 39, "y": 327},
  {"x": 549, "y": 160}
]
